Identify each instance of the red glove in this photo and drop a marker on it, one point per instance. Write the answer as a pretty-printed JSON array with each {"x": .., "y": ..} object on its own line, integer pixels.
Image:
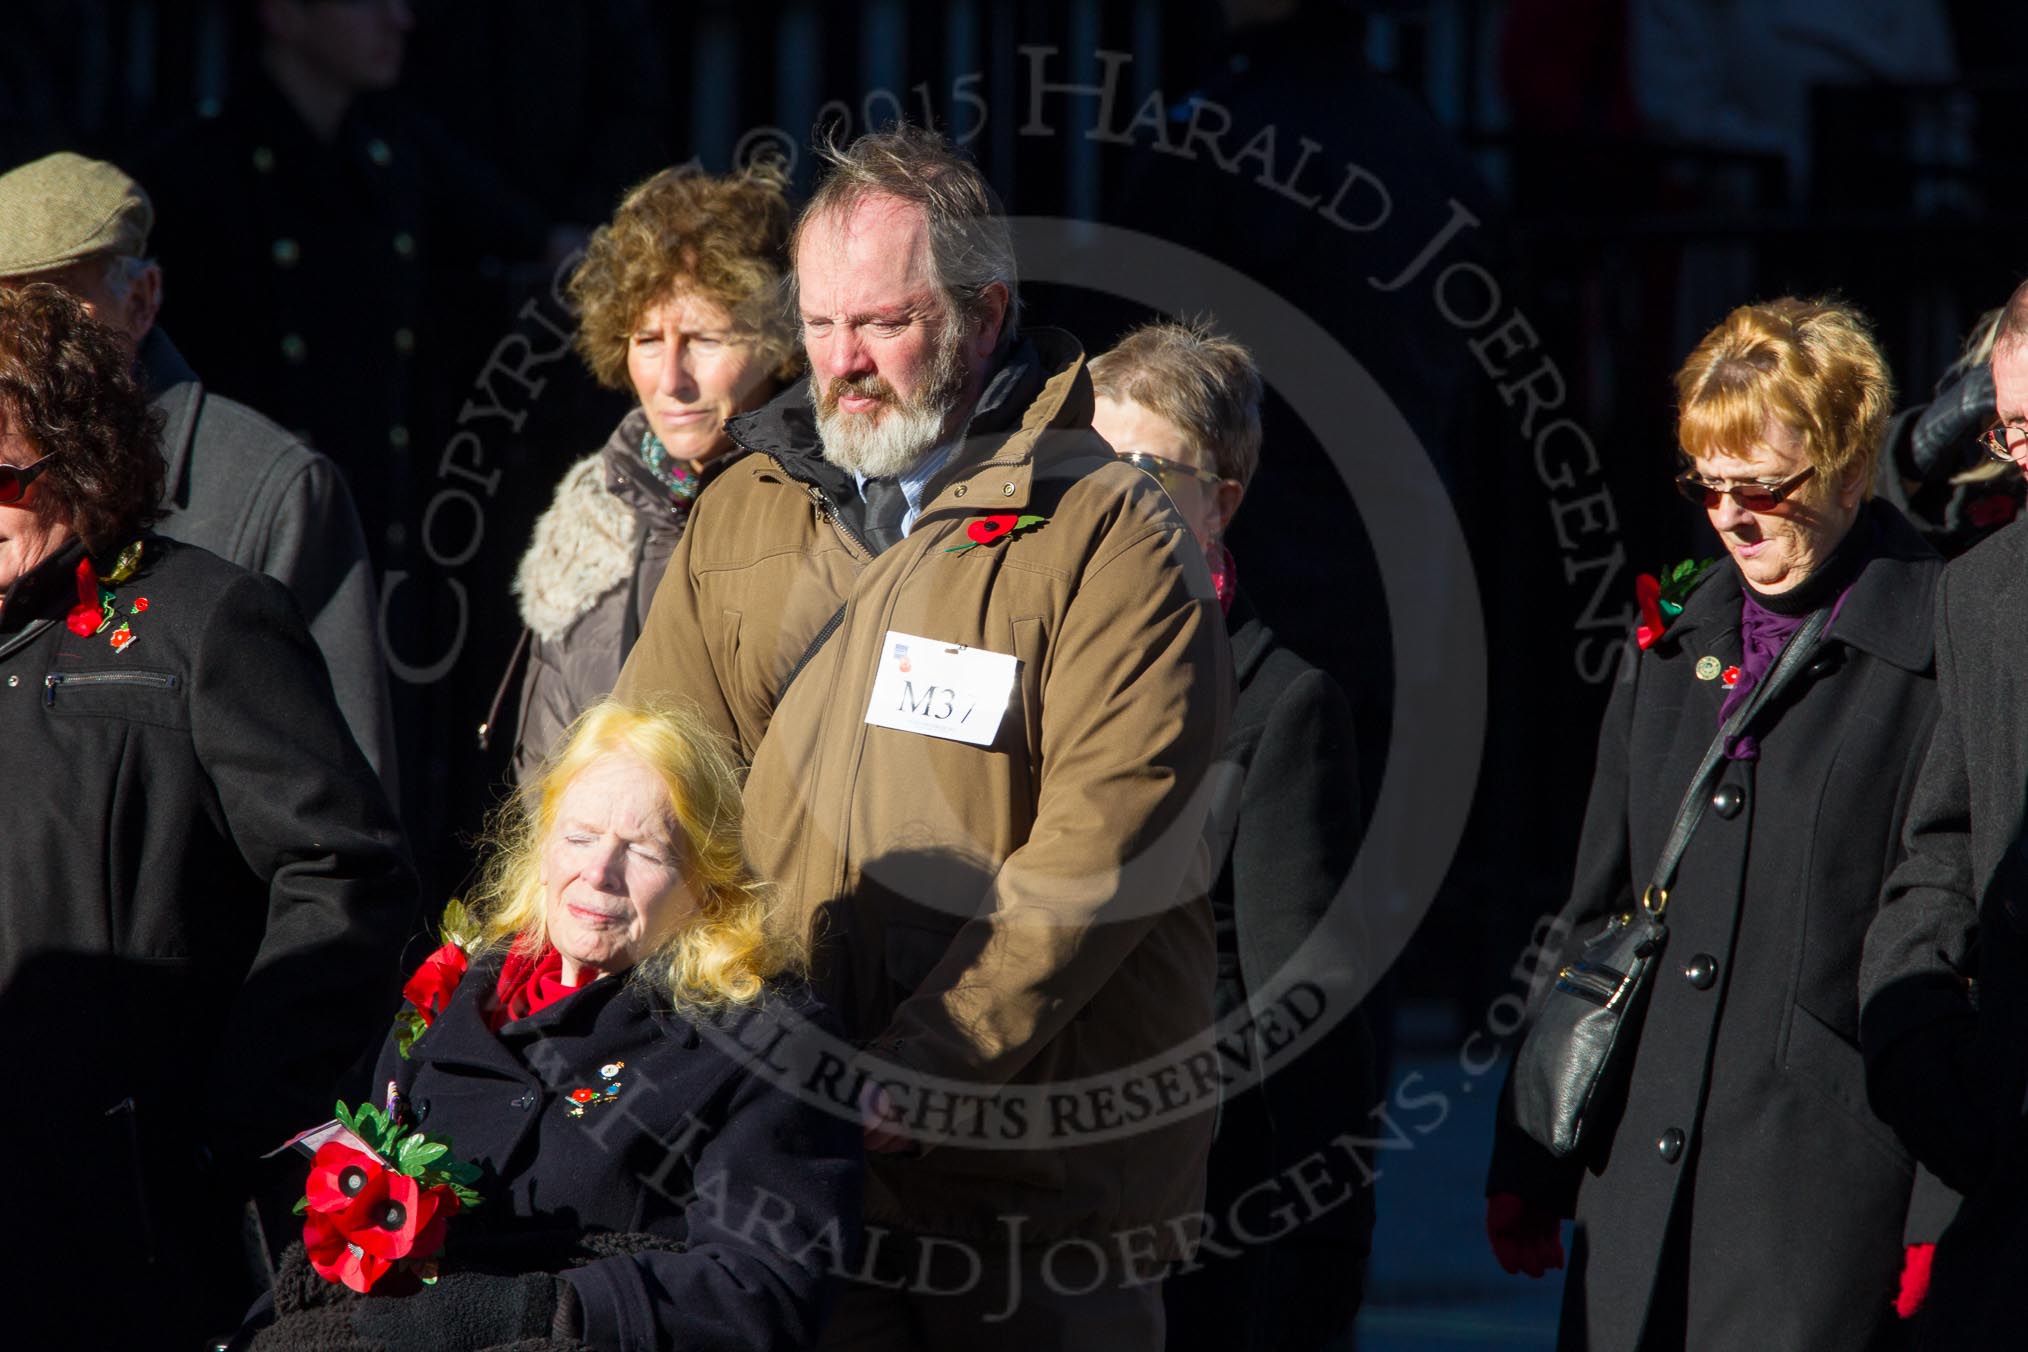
[
  {"x": 1524, "y": 1238},
  {"x": 1914, "y": 1279}
]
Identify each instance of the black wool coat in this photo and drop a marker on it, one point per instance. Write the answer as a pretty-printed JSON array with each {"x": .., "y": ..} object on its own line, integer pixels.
[
  {"x": 203, "y": 897},
  {"x": 1749, "y": 1197},
  {"x": 1946, "y": 974},
  {"x": 683, "y": 1140},
  {"x": 1285, "y": 828}
]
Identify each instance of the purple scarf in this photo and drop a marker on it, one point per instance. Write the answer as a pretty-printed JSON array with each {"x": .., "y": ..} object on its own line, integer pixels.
[{"x": 1762, "y": 635}]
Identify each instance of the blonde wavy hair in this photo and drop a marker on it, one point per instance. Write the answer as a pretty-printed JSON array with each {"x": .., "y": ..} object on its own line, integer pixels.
[
  {"x": 723, "y": 239},
  {"x": 734, "y": 947},
  {"x": 1811, "y": 365}
]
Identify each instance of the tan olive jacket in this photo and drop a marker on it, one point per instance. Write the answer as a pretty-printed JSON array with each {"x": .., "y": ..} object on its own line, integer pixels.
[{"x": 1005, "y": 917}]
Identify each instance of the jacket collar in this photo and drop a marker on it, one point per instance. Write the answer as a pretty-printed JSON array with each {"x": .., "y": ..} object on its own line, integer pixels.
[
  {"x": 1888, "y": 612},
  {"x": 609, "y": 1011},
  {"x": 1040, "y": 387},
  {"x": 37, "y": 600},
  {"x": 1250, "y": 637},
  {"x": 177, "y": 394}
]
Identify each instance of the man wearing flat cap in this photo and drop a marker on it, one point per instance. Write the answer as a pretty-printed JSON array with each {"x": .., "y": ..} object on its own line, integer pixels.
[{"x": 238, "y": 485}]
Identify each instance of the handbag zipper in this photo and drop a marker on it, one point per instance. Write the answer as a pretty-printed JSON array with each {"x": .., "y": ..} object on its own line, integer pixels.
[
  {"x": 161, "y": 680},
  {"x": 1589, "y": 981}
]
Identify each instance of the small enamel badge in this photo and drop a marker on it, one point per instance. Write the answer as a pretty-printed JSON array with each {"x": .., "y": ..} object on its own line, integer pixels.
[
  {"x": 588, "y": 1096},
  {"x": 1708, "y": 668}
]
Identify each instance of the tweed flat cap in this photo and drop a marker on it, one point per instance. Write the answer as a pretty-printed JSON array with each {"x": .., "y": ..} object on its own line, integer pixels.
[{"x": 64, "y": 207}]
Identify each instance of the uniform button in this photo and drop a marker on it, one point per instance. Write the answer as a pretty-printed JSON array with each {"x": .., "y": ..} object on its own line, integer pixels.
[
  {"x": 294, "y": 349},
  {"x": 1670, "y": 1146},
  {"x": 958, "y": 492},
  {"x": 397, "y": 437},
  {"x": 377, "y": 151},
  {"x": 1006, "y": 490},
  {"x": 263, "y": 160},
  {"x": 404, "y": 244},
  {"x": 526, "y": 1101},
  {"x": 1728, "y": 800},
  {"x": 287, "y": 253},
  {"x": 13, "y": 681},
  {"x": 404, "y": 341},
  {"x": 1701, "y": 971}
]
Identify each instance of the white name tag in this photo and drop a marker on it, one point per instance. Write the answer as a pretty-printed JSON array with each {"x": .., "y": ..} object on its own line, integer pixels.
[{"x": 942, "y": 689}]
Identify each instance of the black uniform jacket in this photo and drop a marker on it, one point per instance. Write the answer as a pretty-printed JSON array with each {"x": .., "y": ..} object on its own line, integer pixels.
[
  {"x": 1946, "y": 974},
  {"x": 1749, "y": 1197},
  {"x": 608, "y": 1111},
  {"x": 203, "y": 896}
]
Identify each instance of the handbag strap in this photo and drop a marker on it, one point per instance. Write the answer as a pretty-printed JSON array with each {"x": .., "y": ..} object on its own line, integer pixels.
[{"x": 1798, "y": 650}]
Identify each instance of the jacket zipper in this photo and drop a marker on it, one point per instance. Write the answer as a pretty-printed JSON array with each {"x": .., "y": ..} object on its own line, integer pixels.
[
  {"x": 161, "y": 680},
  {"x": 830, "y": 509}
]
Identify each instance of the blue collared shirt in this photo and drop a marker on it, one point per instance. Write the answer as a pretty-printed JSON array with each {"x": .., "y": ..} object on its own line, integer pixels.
[{"x": 914, "y": 479}]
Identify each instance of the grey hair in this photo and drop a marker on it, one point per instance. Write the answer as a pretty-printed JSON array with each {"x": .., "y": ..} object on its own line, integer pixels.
[
  {"x": 121, "y": 272},
  {"x": 970, "y": 248}
]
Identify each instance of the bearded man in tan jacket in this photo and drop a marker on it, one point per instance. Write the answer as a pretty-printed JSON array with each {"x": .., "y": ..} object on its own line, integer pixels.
[{"x": 980, "y": 676}]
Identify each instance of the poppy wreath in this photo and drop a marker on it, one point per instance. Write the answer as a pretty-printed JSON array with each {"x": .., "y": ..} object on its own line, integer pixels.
[
  {"x": 430, "y": 989},
  {"x": 1662, "y": 597},
  {"x": 383, "y": 1210},
  {"x": 984, "y": 530}
]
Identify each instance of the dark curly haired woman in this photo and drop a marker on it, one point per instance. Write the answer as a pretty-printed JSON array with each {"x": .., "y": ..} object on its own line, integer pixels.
[{"x": 204, "y": 890}]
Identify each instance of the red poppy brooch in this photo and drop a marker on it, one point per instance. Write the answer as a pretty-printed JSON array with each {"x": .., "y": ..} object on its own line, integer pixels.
[
  {"x": 379, "y": 1199},
  {"x": 984, "y": 530},
  {"x": 1662, "y": 597},
  {"x": 97, "y": 607},
  {"x": 429, "y": 991}
]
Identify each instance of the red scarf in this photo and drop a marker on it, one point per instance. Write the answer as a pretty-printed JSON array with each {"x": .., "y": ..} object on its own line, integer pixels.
[
  {"x": 525, "y": 987},
  {"x": 1224, "y": 574}
]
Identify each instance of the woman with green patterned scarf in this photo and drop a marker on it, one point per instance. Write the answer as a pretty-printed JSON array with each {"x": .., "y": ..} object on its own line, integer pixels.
[{"x": 679, "y": 300}]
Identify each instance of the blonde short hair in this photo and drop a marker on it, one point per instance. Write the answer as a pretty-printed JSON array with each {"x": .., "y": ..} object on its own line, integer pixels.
[
  {"x": 722, "y": 239},
  {"x": 1198, "y": 379},
  {"x": 1811, "y": 365},
  {"x": 734, "y": 947}
]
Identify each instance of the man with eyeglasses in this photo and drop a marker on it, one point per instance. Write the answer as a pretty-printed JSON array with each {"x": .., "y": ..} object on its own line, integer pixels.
[
  {"x": 1945, "y": 983},
  {"x": 238, "y": 485}
]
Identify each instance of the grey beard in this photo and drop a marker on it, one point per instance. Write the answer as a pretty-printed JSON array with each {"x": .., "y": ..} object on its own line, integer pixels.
[
  {"x": 881, "y": 447},
  {"x": 877, "y": 446}
]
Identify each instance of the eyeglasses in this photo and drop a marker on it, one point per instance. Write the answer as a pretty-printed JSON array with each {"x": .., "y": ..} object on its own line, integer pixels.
[
  {"x": 2005, "y": 441},
  {"x": 14, "y": 479},
  {"x": 1166, "y": 472},
  {"x": 1750, "y": 496}
]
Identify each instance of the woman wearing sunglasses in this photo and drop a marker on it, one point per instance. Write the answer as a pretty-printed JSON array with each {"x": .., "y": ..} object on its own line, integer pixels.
[
  {"x": 1741, "y": 1193},
  {"x": 205, "y": 892},
  {"x": 1183, "y": 403}
]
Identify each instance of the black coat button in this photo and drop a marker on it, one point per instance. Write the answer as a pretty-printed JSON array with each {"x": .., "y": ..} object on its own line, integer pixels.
[
  {"x": 1701, "y": 971},
  {"x": 1670, "y": 1146},
  {"x": 1728, "y": 800}
]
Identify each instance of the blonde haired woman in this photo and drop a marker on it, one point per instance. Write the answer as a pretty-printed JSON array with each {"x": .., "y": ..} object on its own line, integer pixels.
[{"x": 584, "y": 1050}]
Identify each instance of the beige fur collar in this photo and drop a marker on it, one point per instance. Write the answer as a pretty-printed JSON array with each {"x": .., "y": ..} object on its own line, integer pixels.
[{"x": 583, "y": 548}]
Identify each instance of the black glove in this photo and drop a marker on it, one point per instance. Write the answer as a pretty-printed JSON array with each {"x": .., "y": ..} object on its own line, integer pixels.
[{"x": 465, "y": 1311}]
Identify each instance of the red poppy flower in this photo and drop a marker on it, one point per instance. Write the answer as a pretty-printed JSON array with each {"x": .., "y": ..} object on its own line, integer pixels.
[
  {"x": 1648, "y": 591},
  {"x": 406, "y": 1221},
  {"x": 120, "y": 638},
  {"x": 340, "y": 1176},
  {"x": 336, "y": 1258},
  {"x": 1730, "y": 676},
  {"x": 140, "y": 604},
  {"x": 583, "y": 1095},
  {"x": 429, "y": 990},
  {"x": 990, "y": 528}
]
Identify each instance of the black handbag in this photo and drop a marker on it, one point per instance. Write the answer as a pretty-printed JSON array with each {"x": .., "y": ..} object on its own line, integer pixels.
[{"x": 1571, "y": 1071}]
